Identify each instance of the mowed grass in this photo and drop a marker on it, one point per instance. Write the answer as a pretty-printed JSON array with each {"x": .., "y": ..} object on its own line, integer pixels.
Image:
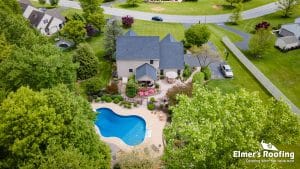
[
  {"x": 161, "y": 29},
  {"x": 242, "y": 77},
  {"x": 283, "y": 69},
  {"x": 201, "y": 7}
]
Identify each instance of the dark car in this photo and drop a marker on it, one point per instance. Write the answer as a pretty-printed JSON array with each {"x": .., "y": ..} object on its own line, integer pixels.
[{"x": 157, "y": 18}]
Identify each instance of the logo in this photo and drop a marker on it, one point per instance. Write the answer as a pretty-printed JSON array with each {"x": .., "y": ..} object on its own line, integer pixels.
[{"x": 267, "y": 153}]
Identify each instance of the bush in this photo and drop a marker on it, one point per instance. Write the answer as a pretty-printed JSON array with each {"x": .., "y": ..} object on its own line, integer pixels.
[
  {"x": 127, "y": 21},
  {"x": 103, "y": 98},
  {"x": 152, "y": 99},
  {"x": 199, "y": 78},
  {"x": 98, "y": 99},
  {"x": 187, "y": 71},
  {"x": 135, "y": 104},
  {"x": 178, "y": 89},
  {"x": 112, "y": 88},
  {"x": 156, "y": 85},
  {"x": 116, "y": 101},
  {"x": 108, "y": 99},
  {"x": 151, "y": 106},
  {"x": 207, "y": 73},
  {"x": 131, "y": 88}
]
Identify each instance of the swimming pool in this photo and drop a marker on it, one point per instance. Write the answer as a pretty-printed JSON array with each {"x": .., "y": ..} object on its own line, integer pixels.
[{"x": 130, "y": 129}]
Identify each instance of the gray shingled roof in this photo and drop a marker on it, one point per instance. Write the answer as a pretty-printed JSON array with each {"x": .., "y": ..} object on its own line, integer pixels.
[
  {"x": 25, "y": 2},
  {"x": 146, "y": 70},
  {"x": 130, "y": 33},
  {"x": 55, "y": 13},
  {"x": 292, "y": 28},
  {"x": 289, "y": 39},
  {"x": 168, "y": 38},
  {"x": 35, "y": 17},
  {"x": 171, "y": 56},
  {"x": 137, "y": 48}
]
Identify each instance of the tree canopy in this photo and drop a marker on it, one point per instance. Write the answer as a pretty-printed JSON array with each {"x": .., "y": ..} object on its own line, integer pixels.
[
  {"x": 112, "y": 31},
  {"x": 88, "y": 62},
  {"x": 197, "y": 34},
  {"x": 209, "y": 126},
  {"x": 37, "y": 129},
  {"x": 74, "y": 30}
]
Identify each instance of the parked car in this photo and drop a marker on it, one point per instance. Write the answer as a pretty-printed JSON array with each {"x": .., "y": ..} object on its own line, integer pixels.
[
  {"x": 157, "y": 18},
  {"x": 226, "y": 70}
]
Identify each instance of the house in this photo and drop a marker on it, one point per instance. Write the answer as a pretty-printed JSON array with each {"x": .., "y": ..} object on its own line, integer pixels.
[
  {"x": 47, "y": 22},
  {"x": 289, "y": 36},
  {"x": 147, "y": 57}
]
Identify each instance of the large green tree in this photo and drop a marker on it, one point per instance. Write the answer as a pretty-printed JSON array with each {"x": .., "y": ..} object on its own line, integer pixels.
[
  {"x": 49, "y": 128},
  {"x": 209, "y": 126},
  {"x": 88, "y": 62},
  {"x": 74, "y": 30},
  {"x": 261, "y": 42},
  {"x": 5, "y": 48},
  {"x": 197, "y": 34},
  {"x": 133, "y": 3},
  {"x": 112, "y": 31},
  {"x": 93, "y": 13}
]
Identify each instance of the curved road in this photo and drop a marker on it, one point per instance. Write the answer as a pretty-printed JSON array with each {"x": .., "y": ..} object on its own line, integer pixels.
[{"x": 248, "y": 14}]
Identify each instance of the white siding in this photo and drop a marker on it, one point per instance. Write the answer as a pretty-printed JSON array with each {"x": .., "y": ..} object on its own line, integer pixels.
[
  {"x": 123, "y": 66},
  {"x": 171, "y": 70},
  {"x": 28, "y": 11},
  {"x": 42, "y": 25},
  {"x": 282, "y": 45},
  {"x": 54, "y": 25}
]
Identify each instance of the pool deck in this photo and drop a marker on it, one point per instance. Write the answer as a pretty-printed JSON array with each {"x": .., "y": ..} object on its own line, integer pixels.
[{"x": 153, "y": 124}]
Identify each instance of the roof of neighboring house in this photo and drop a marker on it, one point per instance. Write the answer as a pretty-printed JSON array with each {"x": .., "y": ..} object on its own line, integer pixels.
[
  {"x": 25, "y": 2},
  {"x": 145, "y": 70},
  {"x": 292, "y": 28},
  {"x": 289, "y": 39},
  {"x": 137, "y": 47},
  {"x": 35, "y": 17},
  {"x": 168, "y": 38},
  {"x": 55, "y": 13},
  {"x": 130, "y": 33},
  {"x": 171, "y": 56}
]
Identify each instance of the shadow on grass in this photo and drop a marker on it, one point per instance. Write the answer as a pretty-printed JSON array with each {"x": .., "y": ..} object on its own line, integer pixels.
[
  {"x": 228, "y": 7},
  {"x": 128, "y": 6}
]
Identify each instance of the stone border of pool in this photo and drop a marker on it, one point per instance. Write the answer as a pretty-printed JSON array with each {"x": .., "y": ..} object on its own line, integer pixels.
[{"x": 152, "y": 123}]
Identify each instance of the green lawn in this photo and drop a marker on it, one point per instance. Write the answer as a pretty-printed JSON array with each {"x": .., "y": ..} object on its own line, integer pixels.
[
  {"x": 160, "y": 29},
  {"x": 283, "y": 69},
  {"x": 242, "y": 78},
  {"x": 202, "y": 7}
]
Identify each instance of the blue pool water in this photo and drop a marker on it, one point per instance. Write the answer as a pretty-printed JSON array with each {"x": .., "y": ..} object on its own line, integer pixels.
[{"x": 130, "y": 129}]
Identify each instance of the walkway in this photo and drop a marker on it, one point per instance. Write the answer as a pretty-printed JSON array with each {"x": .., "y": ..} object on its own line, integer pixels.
[
  {"x": 252, "y": 13},
  {"x": 246, "y": 37},
  {"x": 259, "y": 75}
]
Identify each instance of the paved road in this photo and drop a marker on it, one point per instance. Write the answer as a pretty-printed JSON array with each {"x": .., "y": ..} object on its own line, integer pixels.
[
  {"x": 252, "y": 13},
  {"x": 244, "y": 45},
  {"x": 276, "y": 93}
]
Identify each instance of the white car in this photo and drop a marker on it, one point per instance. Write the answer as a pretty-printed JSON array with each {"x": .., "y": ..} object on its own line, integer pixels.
[{"x": 226, "y": 70}]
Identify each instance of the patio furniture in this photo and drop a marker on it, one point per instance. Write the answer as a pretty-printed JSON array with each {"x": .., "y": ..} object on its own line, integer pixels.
[{"x": 154, "y": 148}]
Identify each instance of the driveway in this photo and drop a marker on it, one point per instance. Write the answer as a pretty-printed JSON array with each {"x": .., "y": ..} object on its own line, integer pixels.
[{"x": 252, "y": 13}]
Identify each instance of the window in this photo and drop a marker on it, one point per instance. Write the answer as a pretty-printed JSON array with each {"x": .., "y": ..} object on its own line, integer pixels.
[
  {"x": 45, "y": 21},
  {"x": 178, "y": 71},
  {"x": 161, "y": 72},
  {"x": 151, "y": 62},
  {"x": 130, "y": 70}
]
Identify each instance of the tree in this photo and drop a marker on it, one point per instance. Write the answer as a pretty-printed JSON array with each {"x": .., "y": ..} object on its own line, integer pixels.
[
  {"x": 262, "y": 25},
  {"x": 206, "y": 56},
  {"x": 236, "y": 16},
  {"x": 75, "y": 30},
  {"x": 176, "y": 90},
  {"x": 133, "y": 3},
  {"x": 54, "y": 2},
  {"x": 112, "y": 31},
  {"x": 207, "y": 127},
  {"x": 197, "y": 34},
  {"x": 90, "y": 6},
  {"x": 287, "y": 6},
  {"x": 88, "y": 62},
  {"x": 5, "y": 48},
  {"x": 233, "y": 1},
  {"x": 127, "y": 21},
  {"x": 43, "y": 66},
  {"x": 42, "y": 2},
  {"x": 43, "y": 125},
  {"x": 97, "y": 19},
  {"x": 261, "y": 42}
]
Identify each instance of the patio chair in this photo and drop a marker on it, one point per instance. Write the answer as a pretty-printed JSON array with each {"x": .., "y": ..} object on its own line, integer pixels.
[{"x": 154, "y": 148}]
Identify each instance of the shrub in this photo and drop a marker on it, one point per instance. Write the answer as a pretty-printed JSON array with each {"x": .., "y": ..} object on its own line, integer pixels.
[
  {"x": 199, "y": 78},
  {"x": 152, "y": 99},
  {"x": 108, "y": 99},
  {"x": 127, "y": 21},
  {"x": 98, "y": 99},
  {"x": 156, "y": 85},
  {"x": 116, "y": 100},
  {"x": 178, "y": 89},
  {"x": 103, "y": 98},
  {"x": 131, "y": 88},
  {"x": 112, "y": 88},
  {"x": 135, "y": 104},
  {"x": 207, "y": 73},
  {"x": 151, "y": 106},
  {"x": 187, "y": 71}
]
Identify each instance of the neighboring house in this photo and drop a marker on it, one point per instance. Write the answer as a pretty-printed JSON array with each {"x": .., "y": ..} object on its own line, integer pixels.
[
  {"x": 146, "y": 57},
  {"x": 47, "y": 22},
  {"x": 289, "y": 36}
]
